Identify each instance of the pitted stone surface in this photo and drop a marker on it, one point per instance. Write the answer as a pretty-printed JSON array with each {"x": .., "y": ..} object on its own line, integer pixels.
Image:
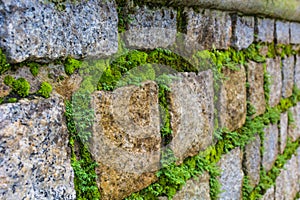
[
  {"x": 150, "y": 29},
  {"x": 294, "y": 127},
  {"x": 295, "y": 32},
  {"x": 252, "y": 160},
  {"x": 283, "y": 131},
  {"x": 126, "y": 139},
  {"x": 255, "y": 78},
  {"x": 274, "y": 72},
  {"x": 195, "y": 189},
  {"x": 36, "y": 30},
  {"x": 297, "y": 72},
  {"x": 208, "y": 29},
  {"x": 270, "y": 194},
  {"x": 192, "y": 113},
  {"x": 270, "y": 146},
  {"x": 282, "y": 32},
  {"x": 34, "y": 152},
  {"x": 233, "y": 99},
  {"x": 232, "y": 175},
  {"x": 288, "y": 76},
  {"x": 243, "y": 31},
  {"x": 264, "y": 30}
]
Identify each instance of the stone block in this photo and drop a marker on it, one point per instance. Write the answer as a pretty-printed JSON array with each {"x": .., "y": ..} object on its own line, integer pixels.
[
  {"x": 150, "y": 29},
  {"x": 269, "y": 195},
  {"x": 282, "y": 32},
  {"x": 208, "y": 29},
  {"x": 252, "y": 160},
  {"x": 126, "y": 139},
  {"x": 243, "y": 31},
  {"x": 34, "y": 151},
  {"x": 194, "y": 189},
  {"x": 232, "y": 175},
  {"x": 255, "y": 78},
  {"x": 297, "y": 72},
  {"x": 288, "y": 76},
  {"x": 274, "y": 72},
  {"x": 298, "y": 169},
  {"x": 270, "y": 146},
  {"x": 232, "y": 102},
  {"x": 283, "y": 131},
  {"x": 192, "y": 113},
  {"x": 36, "y": 30},
  {"x": 294, "y": 127},
  {"x": 264, "y": 29},
  {"x": 295, "y": 32}
]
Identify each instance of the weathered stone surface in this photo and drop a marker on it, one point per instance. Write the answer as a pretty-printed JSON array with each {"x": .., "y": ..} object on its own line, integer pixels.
[
  {"x": 270, "y": 194},
  {"x": 282, "y": 33},
  {"x": 233, "y": 99},
  {"x": 274, "y": 72},
  {"x": 34, "y": 152},
  {"x": 295, "y": 32},
  {"x": 264, "y": 30},
  {"x": 287, "y": 183},
  {"x": 232, "y": 175},
  {"x": 270, "y": 146},
  {"x": 243, "y": 31},
  {"x": 255, "y": 78},
  {"x": 294, "y": 127},
  {"x": 297, "y": 72},
  {"x": 208, "y": 29},
  {"x": 192, "y": 113},
  {"x": 150, "y": 29},
  {"x": 36, "y": 30},
  {"x": 283, "y": 131},
  {"x": 298, "y": 160},
  {"x": 252, "y": 160},
  {"x": 288, "y": 76},
  {"x": 195, "y": 189},
  {"x": 126, "y": 139}
]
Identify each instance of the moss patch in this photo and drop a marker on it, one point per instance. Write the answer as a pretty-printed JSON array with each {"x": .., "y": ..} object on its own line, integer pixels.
[
  {"x": 4, "y": 66},
  {"x": 45, "y": 90}
]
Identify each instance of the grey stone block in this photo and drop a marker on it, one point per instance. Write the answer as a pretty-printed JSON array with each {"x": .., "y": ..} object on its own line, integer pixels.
[
  {"x": 297, "y": 72},
  {"x": 34, "y": 152},
  {"x": 243, "y": 31},
  {"x": 269, "y": 195},
  {"x": 36, "y": 30},
  {"x": 264, "y": 30},
  {"x": 252, "y": 160},
  {"x": 274, "y": 72},
  {"x": 255, "y": 78},
  {"x": 295, "y": 32},
  {"x": 232, "y": 175},
  {"x": 282, "y": 32},
  {"x": 151, "y": 29},
  {"x": 288, "y": 76},
  {"x": 192, "y": 113},
  {"x": 194, "y": 189},
  {"x": 270, "y": 146},
  {"x": 233, "y": 96},
  {"x": 283, "y": 131},
  {"x": 298, "y": 169},
  {"x": 294, "y": 127}
]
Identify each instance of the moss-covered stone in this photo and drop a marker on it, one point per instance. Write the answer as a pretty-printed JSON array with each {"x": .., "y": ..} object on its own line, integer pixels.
[
  {"x": 21, "y": 87},
  {"x": 45, "y": 90}
]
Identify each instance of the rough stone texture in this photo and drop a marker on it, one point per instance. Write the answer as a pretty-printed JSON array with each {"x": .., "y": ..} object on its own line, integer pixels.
[
  {"x": 295, "y": 32},
  {"x": 294, "y": 127},
  {"x": 298, "y": 160},
  {"x": 252, "y": 160},
  {"x": 243, "y": 31},
  {"x": 270, "y": 146},
  {"x": 150, "y": 29},
  {"x": 287, "y": 183},
  {"x": 283, "y": 131},
  {"x": 208, "y": 29},
  {"x": 192, "y": 113},
  {"x": 269, "y": 195},
  {"x": 195, "y": 189},
  {"x": 233, "y": 99},
  {"x": 282, "y": 32},
  {"x": 232, "y": 175},
  {"x": 34, "y": 152},
  {"x": 274, "y": 71},
  {"x": 255, "y": 78},
  {"x": 288, "y": 76},
  {"x": 126, "y": 139},
  {"x": 297, "y": 72},
  {"x": 264, "y": 30},
  {"x": 36, "y": 30}
]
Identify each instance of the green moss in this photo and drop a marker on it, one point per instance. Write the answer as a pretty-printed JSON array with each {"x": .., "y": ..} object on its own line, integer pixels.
[
  {"x": 21, "y": 87},
  {"x": 71, "y": 65},
  {"x": 45, "y": 90},
  {"x": 1, "y": 100},
  {"x": 4, "y": 66},
  {"x": 9, "y": 80},
  {"x": 252, "y": 53},
  {"x": 34, "y": 68},
  {"x": 12, "y": 100}
]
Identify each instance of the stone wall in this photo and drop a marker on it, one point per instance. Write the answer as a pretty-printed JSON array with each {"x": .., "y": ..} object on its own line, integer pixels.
[{"x": 190, "y": 100}]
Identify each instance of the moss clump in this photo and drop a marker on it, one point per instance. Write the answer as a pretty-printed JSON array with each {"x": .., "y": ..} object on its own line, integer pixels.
[
  {"x": 71, "y": 65},
  {"x": 45, "y": 90},
  {"x": 4, "y": 66},
  {"x": 34, "y": 68},
  {"x": 12, "y": 100},
  {"x": 21, "y": 87},
  {"x": 9, "y": 80}
]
